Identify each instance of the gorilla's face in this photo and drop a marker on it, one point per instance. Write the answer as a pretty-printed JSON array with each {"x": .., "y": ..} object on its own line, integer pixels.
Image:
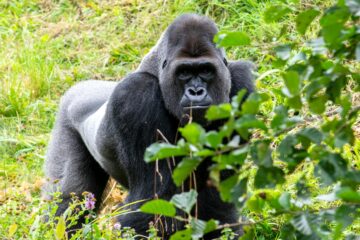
[{"x": 194, "y": 74}]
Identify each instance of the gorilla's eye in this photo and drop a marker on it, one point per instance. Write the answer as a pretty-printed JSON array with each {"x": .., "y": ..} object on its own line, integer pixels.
[
  {"x": 225, "y": 62},
  {"x": 164, "y": 64},
  {"x": 206, "y": 73},
  {"x": 184, "y": 75}
]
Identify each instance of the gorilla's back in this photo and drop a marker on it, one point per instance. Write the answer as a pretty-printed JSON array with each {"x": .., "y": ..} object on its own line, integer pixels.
[{"x": 85, "y": 98}]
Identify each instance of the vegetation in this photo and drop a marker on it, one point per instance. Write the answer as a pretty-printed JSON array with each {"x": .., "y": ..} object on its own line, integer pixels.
[{"x": 297, "y": 177}]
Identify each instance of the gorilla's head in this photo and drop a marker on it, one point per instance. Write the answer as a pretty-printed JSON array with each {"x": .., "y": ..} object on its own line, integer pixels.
[{"x": 193, "y": 73}]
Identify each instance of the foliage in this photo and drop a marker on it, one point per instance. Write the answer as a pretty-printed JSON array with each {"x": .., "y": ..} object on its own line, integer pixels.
[{"x": 264, "y": 150}]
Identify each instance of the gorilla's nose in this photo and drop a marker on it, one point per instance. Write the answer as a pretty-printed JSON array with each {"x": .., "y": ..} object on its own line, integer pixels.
[{"x": 196, "y": 94}]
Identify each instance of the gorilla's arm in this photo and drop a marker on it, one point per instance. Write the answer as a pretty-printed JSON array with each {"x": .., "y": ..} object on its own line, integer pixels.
[{"x": 134, "y": 114}]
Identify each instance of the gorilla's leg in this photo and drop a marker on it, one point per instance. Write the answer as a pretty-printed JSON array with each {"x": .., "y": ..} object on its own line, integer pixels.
[
  {"x": 210, "y": 206},
  {"x": 70, "y": 164},
  {"x": 68, "y": 161},
  {"x": 147, "y": 189}
]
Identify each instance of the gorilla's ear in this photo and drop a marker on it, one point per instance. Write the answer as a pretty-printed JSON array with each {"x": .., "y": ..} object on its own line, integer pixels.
[{"x": 241, "y": 76}]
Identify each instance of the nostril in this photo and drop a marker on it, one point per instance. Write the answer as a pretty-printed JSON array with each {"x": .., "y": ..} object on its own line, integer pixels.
[
  {"x": 200, "y": 92},
  {"x": 195, "y": 93},
  {"x": 192, "y": 92}
]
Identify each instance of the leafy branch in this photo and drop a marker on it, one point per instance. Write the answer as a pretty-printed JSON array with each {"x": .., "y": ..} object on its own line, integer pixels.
[{"x": 265, "y": 150}]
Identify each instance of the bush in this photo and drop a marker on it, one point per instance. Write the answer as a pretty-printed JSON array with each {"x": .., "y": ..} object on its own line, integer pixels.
[{"x": 306, "y": 133}]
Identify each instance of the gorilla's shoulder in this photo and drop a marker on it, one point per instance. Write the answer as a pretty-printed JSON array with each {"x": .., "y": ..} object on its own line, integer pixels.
[
  {"x": 139, "y": 78},
  {"x": 242, "y": 76},
  {"x": 137, "y": 91}
]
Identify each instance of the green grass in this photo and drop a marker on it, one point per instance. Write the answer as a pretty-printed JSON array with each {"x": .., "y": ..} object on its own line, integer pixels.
[{"x": 46, "y": 46}]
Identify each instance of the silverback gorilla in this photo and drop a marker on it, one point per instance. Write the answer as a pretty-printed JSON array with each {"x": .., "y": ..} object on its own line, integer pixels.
[{"x": 103, "y": 128}]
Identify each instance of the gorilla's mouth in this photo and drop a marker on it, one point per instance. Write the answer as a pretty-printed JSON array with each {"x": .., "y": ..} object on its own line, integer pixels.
[
  {"x": 196, "y": 107},
  {"x": 195, "y": 112},
  {"x": 195, "y": 99}
]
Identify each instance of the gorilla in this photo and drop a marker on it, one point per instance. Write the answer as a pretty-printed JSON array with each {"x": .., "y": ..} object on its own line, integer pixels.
[{"x": 103, "y": 128}]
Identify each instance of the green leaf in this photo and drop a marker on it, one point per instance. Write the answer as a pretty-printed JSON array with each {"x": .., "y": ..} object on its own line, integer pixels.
[
  {"x": 230, "y": 39},
  {"x": 268, "y": 177},
  {"x": 343, "y": 136},
  {"x": 163, "y": 150},
  {"x": 182, "y": 235},
  {"x": 287, "y": 232},
  {"x": 332, "y": 23},
  {"x": 317, "y": 105},
  {"x": 226, "y": 187},
  {"x": 331, "y": 168},
  {"x": 285, "y": 200},
  {"x": 292, "y": 82},
  {"x": 297, "y": 58},
  {"x": 213, "y": 139},
  {"x": 185, "y": 201},
  {"x": 272, "y": 199},
  {"x": 302, "y": 224},
  {"x": 304, "y": 19},
  {"x": 357, "y": 52},
  {"x": 239, "y": 191},
  {"x": 159, "y": 206},
  {"x": 197, "y": 227},
  {"x": 227, "y": 129},
  {"x": 283, "y": 52},
  {"x": 336, "y": 15},
  {"x": 348, "y": 195},
  {"x": 316, "y": 85},
  {"x": 286, "y": 146},
  {"x": 318, "y": 46},
  {"x": 294, "y": 102},
  {"x": 60, "y": 229},
  {"x": 239, "y": 155},
  {"x": 275, "y": 13},
  {"x": 255, "y": 203},
  {"x": 280, "y": 120},
  {"x": 193, "y": 133},
  {"x": 238, "y": 98},
  {"x": 204, "y": 153},
  {"x": 312, "y": 134},
  {"x": 226, "y": 160},
  {"x": 345, "y": 215},
  {"x": 261, "y": 153},
  {"x": 200, "y": 227},
  {"x": 354, "y": 7},
  {"x": 290, "y": 154},
  {"x": 334, "y": 89},
  {"x": 211, "y": 225},
  {"x": 249, "y": 121},
  {"x": 184, "y": 169},
  {"x": 218, "y": 112},
  {"x": 249, "y": 233},
  {"x": 253, "y": 102}
]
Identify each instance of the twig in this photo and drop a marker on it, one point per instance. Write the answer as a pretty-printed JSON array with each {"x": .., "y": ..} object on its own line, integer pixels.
[{"x": 167, "y": 141}]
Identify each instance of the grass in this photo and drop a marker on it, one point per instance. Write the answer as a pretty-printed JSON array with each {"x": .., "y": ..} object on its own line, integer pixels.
[{"x": 46, "y": 46}]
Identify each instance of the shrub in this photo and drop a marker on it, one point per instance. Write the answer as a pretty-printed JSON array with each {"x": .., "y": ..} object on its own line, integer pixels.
[{"x": 306, "y": 133}]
